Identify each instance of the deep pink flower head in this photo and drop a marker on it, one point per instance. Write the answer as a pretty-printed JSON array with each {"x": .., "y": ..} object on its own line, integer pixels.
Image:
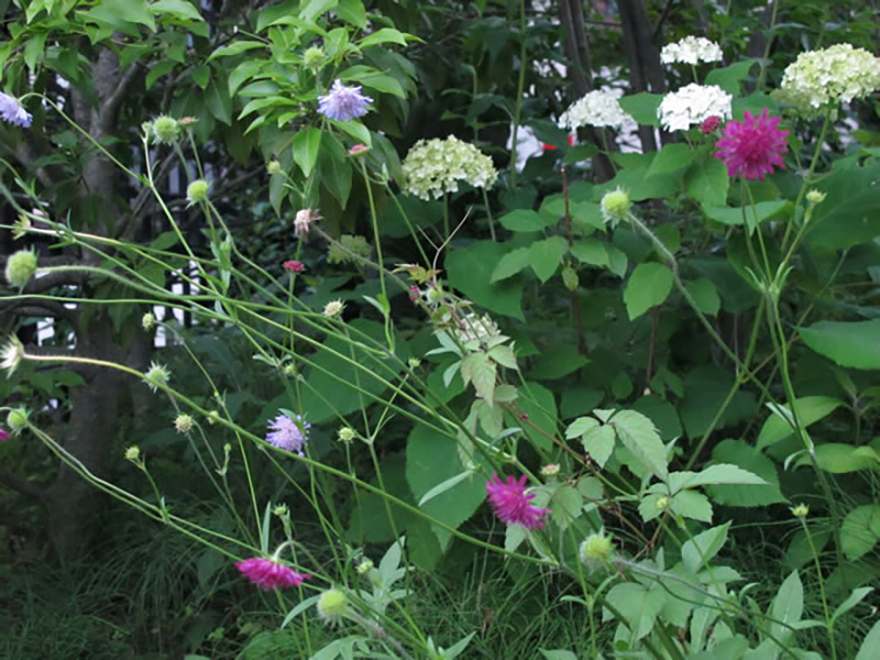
[
  {"x": 512, "y": 505},
  {"x": 4, "y": 435},
  {"x": 752, "y": 147},
  {"x": 294, "y": 266},
  {"x": 710, "y": 124},
  {"x": 268, "y": 574}
]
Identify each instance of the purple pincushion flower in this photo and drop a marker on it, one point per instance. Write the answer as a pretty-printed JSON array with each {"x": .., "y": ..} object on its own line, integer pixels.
[
  {"x": 287, "y": 433},
  {"x": 343, "y": 103},
  {"x": 753, "y": 147},
  {"x": 12, "y": 111},
  {"x": 268, "y": 574},
  {"x": 512, "y": 505}
]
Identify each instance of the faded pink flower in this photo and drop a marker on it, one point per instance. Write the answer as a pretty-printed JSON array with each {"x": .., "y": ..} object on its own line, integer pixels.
[
  {"x": 294, "y": 266},
  {"x": 753, "y": 147},
  {"x": 511, "y": 503},
  {"x": 269, "y": 574},
  {"x": 710, "y": 124},
  {"x": 358, "y": 149},
  {"x": 303, "y": 221}
]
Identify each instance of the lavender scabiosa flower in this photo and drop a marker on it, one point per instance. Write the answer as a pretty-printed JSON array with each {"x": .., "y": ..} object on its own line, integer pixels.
[
  {"x": 753, "y": 147},
  {"x": 13, "y": 112},
  {"x": 269, "y": 574},
  {"x": 511, "y": 503},
  {"x": 288, "y": 433},
  {"x": 343, "y": 103}
]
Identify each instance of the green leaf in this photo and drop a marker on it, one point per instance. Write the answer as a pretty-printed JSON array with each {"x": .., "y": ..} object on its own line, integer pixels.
[
  {"x": 373, "y": 78},
  {"x": 734, "y": 216},
  {"x": 243, "y": 72},
  {"x": 503, "y": 355},
  {"x": 557, "y": 361},
  {"x": 639, "y": 435},
  {"x": 119, "y": 12},
  {"x": 699, "y": 551},
  {"x": 705, "y": 295},
  {"x": 691, "y": 504},
  {"x": 306, "y": 144},
  {"x": 643, "y": 107},
  {"x": 719, "y": 474},
  {"x": 707, "y": 182},
  {"x": 383, "y": 36},
  {"x": 432, "y": 461},
  {"x": 525, "y": 220},
  {"x": 158, "y": 70},
  {"x": 566, "y": 504},
  {"x": 705, "y": 390},
  {"x": 598, "y": 442},
  {"x": 839, "y": 458},
  {"x": 511, "y": 263},
  {"x": 670, "y": 158},
  {"x": 235, "y": 48},
  {"x": 178, "y": 8},
  {"x": 854, "y": 599},
  {"x": 545, "y": 256},
  {"x": 870, "y": 648},
  {"x": 730, "y": 77},
  {"x": 855, "y": 345},
  {"x": 353, "y": 12},
  {"x": 590, "y": 251},
  {"x": 539, "y": 404},
  {"x": 34, "y": 49},
  {"x": 850, "y": 214},
  {"x": 470, "y": 271},
  {"x": 648, "y": 286},
  {"x": 748, "y": 458},
  {"x": 355, "y": 129},
  {"x": 218, "y": 101},
  {"x": 809, "y": 409},
  {"x": 638, "y": 605},
  {"x": 479, "y": 369},
  {"x": 312, "y": 9},
  {"x": 860, "y": 531},
  {"x": 788, "y": 606}
]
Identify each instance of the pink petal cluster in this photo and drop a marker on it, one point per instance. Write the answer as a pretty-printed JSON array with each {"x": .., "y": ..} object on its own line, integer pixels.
[
  {"x": 294, "y": 266},
  {"x": 710, "y": 124},
  {"x": 511, "y": 503},
  {"x": 268, "y": 574},
  {"x": 4, "y": 435},
  {"x": 753, "y": 147}
]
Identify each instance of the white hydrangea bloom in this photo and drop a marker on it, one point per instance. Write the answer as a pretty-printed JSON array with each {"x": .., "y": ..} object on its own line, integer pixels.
[
  {"x": 837, "y": 74},
  {"x": 435, "y": 167},
  {"x": 597, "y": 108},
  {"x": 692, "y": 105},
  {"x": 691, "y": 50}
]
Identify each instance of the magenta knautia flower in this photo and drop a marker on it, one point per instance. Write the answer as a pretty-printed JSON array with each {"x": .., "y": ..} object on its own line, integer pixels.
[
  {"x": 710, "y": 124},
  {"x": 294, "y": 266},
  {"x": 4, "y": 435},
  {"x": 752, "y": 147},
  {"x": 269, "y": 574},
  {"x": 343, "y": 103},
  {"x": 511, "y": 503},
  {"x": 12, "y": 111},
  {"x": 288, "y": 434}
]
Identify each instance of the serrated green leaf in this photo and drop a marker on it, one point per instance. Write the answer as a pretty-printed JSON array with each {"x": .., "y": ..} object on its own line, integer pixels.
[
  {"x": 639, "y": 435},
  {"x": 546, "y": 256},
  {"x": 511, "y": 263},
  {"x": 810, "y": 409},
  {"x": 590, "y": 251},
  {"x": 853, "y": 345},
  {"x": 648, "y": 286},
  {"x": 598, "y": 442},
  {"x": 705, "y": 295},
  {"x": 700, "y": 550},
  {"x": 478, "y": 369},
  {"x": 670, "y": 158}
]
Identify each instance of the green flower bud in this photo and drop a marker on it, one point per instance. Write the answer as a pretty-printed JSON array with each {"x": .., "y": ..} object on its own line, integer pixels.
[
  {"x": 345, "y": 434},
  {"x": 815, "y": 196},
  {"x": 20, "y": 268},
  {"x": 197, "y": 191},
  {"x": 332, "y": 605},
  {"x": 148, "y": 321},
  {"x": 165, "y": 130},
  {"x": 596, "y": 549},
  {"x": 274, "y": 167},
  {"x": 800, "y": 511},
  {"x": 157, "y": 374},
  {"x": 313, "y": 57},
  {"x": 615, "y": 205},
  {"x": 570, "y": 278},
  {"x": 17, "y": 420},
  {"x": 133, "y": 453},
  {"x": 184, "y": 423}
]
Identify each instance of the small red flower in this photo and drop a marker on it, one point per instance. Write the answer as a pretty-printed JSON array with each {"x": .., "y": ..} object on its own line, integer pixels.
[
  {"x": 294, "y": 266},
  {"x": 268, "y": 574},
  {"x": 710, "y": 124},
  {"x": 511, "y": 503},
  {"x": 550, "y": 147},
  {"x": 753, "y": 147}
]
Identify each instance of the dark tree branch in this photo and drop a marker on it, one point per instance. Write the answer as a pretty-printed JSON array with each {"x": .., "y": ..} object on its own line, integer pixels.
[
  {"x": 23, "y": 486},
  {"x": 111, "y": 105}
]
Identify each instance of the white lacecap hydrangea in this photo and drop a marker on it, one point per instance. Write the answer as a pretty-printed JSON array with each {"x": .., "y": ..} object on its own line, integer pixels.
[
  {"x": 692, "y": 105},
  {"x": 597, "y": 108},
  {"x": 691, "y": 50},
  {"x": 833, "y": 75},
  {"x": 435, "y": 167}
]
